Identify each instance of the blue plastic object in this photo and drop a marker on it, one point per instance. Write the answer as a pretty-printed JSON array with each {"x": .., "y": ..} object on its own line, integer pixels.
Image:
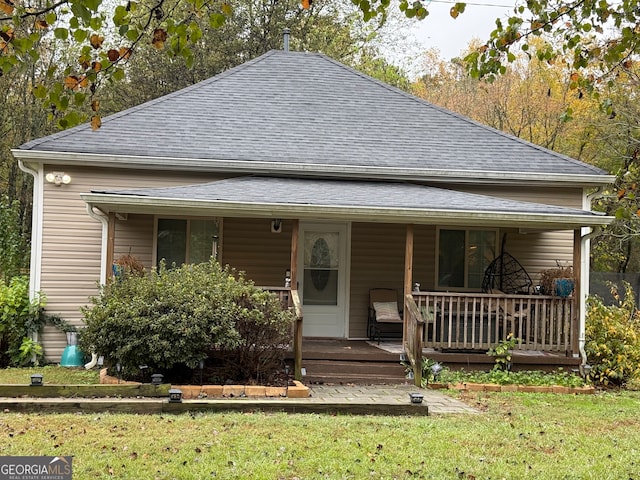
[{"x": 72, "y": 357}]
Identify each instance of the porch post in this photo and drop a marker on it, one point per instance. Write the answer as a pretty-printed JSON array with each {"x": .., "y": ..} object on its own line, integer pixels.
[
  {"x": 297, "y": 330},
  {"x": 295, "y": 233},
  {"x": 408, "y": 274},
  {"x": 578, "y": 300},
  {"x": 111, "y": 241}
]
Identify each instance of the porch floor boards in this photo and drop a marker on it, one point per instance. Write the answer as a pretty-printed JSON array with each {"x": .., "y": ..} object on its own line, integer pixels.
[{"x": 362, "y": 362}]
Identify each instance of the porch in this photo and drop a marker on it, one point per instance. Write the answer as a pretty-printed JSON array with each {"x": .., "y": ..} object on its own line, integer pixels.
[{"x": 456, "y": 329}]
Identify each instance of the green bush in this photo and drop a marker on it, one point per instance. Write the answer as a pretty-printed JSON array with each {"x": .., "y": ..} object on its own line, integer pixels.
[
  {"x": 20, "y": 318},
  {"x": 14, "y": 244},
  {"x": 174, "y": 318},
  {"x": 613, "y": 339}
]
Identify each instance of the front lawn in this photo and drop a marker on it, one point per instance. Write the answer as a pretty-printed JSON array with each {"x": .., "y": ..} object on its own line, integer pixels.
[
  {"x": 52, "y": 375},
  {"x": 541, "y": 436}
]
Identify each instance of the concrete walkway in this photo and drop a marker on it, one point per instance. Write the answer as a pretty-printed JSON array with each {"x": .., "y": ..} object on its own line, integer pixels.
[{"x": 335, "y": 399}]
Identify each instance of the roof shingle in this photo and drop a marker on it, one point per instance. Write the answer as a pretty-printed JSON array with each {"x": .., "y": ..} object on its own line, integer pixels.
[{"x": 307, "y": 109}]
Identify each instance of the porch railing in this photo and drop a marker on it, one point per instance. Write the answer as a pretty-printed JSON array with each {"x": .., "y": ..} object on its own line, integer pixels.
[
  {"x": 467, "y": 321},
  {"x": 291, "y": 299}
]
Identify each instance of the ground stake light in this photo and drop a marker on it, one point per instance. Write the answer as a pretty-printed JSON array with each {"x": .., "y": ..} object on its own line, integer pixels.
[
  {"x": 416, "y": 397},
  {"x": 436, "y": 369},
  {"x": 37, "y": 380},
  {"x": 156, "y": 379},
  {"x": 175, "y": 395}
]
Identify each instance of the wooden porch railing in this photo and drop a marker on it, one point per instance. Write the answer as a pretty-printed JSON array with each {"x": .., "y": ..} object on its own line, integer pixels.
[
  {"x": 291, "y": 299},
  {"x": 414, "y": 335},
  {"x": 467, "y": 321}
]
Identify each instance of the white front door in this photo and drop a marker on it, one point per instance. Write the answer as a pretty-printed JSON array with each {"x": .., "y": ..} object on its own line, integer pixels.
[{"x": 321, "y": 275}]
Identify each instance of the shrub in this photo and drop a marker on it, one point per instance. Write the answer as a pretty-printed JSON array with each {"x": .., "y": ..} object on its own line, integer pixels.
[
  {"x": 173, "y": 318},
  {"x": 14, "y": 244},
  {"x": 20, "y": 318},
  {"x": 613, "y": 339}
]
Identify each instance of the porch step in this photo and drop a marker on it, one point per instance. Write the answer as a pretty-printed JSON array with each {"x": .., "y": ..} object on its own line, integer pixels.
[{"x": 341, "y": 371}]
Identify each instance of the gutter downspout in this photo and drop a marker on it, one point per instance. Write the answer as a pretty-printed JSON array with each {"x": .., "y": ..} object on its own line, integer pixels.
[
  {"x": 585, "y": 250},
  {"x": 35, "y": 262},
  {"x": 103, "y": 247},
  {"x": 103, "y": 260}
]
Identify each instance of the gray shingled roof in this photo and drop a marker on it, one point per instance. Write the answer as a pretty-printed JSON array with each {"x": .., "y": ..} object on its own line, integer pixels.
[
  {"x": 306, "y": 109},
  {"x": 279, "y": 195}
]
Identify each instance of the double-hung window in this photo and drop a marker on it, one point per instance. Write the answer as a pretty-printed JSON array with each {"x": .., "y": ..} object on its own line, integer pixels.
[
  {"x": 186, "y": 240},
  {"x": 463, "y": 256}
]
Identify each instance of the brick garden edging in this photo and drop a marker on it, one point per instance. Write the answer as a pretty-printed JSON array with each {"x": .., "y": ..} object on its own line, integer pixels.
[
  {"x": 297, "y": 390},
  {"x": 492, "y": 387}
]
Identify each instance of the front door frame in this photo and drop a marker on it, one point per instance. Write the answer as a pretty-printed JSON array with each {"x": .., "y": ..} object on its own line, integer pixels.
[{"x": 344, "y": 230}]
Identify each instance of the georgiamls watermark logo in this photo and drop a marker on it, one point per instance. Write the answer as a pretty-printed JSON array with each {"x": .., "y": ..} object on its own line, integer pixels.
[{"x": 35, "y": 468}]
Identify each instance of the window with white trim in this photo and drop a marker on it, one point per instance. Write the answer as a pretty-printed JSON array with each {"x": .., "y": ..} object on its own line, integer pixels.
[
  {"x": 463, "y": 257},
  {"x": 186, "y": 240}
]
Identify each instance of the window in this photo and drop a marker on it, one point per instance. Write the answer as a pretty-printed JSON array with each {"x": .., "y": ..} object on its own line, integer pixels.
[
  {"x": 186, "y": 241},
  {"x": 463, "y": 256}
]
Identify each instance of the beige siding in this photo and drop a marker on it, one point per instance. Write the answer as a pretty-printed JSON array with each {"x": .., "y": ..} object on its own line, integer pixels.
[
  {"x": 542, "y": 250},
  {"x": 71, "y": 239},
  {"x": 249, "y": 246},
  {"x": 377, "y": 261},
  {"x": 134, "y": 236},
  {"x": 564, "y": 197}
]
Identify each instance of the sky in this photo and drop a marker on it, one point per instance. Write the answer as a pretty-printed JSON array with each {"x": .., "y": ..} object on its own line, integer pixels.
[{"x": 451, "y": 36}]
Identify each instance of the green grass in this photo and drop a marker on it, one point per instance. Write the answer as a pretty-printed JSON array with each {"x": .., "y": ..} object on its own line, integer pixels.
[
  {"x": 541, "y": 436},
  {"x": 51, "y": 374}
]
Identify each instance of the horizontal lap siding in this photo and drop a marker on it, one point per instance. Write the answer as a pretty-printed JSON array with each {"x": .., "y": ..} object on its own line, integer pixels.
[
  {"x": 377, "y": 261},
  {"x": 134, "y": 236},
  {"x": 71, "y": 239},
  {"x": 249, "y": 246}
]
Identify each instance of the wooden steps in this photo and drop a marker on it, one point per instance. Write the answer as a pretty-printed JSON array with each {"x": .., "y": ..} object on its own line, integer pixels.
[
  {"x": 355, "y": 362},
  {"x": 355, "y": 372}
]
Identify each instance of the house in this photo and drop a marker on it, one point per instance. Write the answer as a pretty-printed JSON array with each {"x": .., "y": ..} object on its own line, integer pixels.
[{"x": 293, "y": 164}]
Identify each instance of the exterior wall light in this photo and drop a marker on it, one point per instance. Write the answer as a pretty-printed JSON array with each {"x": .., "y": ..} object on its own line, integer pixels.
[
  {"x": 37, "y": 380},
  {"x": 58, "y": 178},
  {"x": 175, "y": 395}
]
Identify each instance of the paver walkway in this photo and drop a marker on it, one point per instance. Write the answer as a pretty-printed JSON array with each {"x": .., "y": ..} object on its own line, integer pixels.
[{"x": 387, "y": 395}]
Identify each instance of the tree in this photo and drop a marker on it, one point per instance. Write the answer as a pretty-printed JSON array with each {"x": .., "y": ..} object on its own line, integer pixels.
[
  {"x": 597, "y": 39},
  {"x": 531, "y": 100}
]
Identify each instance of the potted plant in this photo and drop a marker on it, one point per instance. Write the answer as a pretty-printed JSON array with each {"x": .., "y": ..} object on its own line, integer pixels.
[{"x": 557, "y": 281}]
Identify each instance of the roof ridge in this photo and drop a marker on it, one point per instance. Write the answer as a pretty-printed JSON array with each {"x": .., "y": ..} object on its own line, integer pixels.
[{"x": 149, "y": 103}]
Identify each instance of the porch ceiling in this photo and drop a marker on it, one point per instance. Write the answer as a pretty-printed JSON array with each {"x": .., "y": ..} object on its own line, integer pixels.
[{"x": 364, "y": 201}]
